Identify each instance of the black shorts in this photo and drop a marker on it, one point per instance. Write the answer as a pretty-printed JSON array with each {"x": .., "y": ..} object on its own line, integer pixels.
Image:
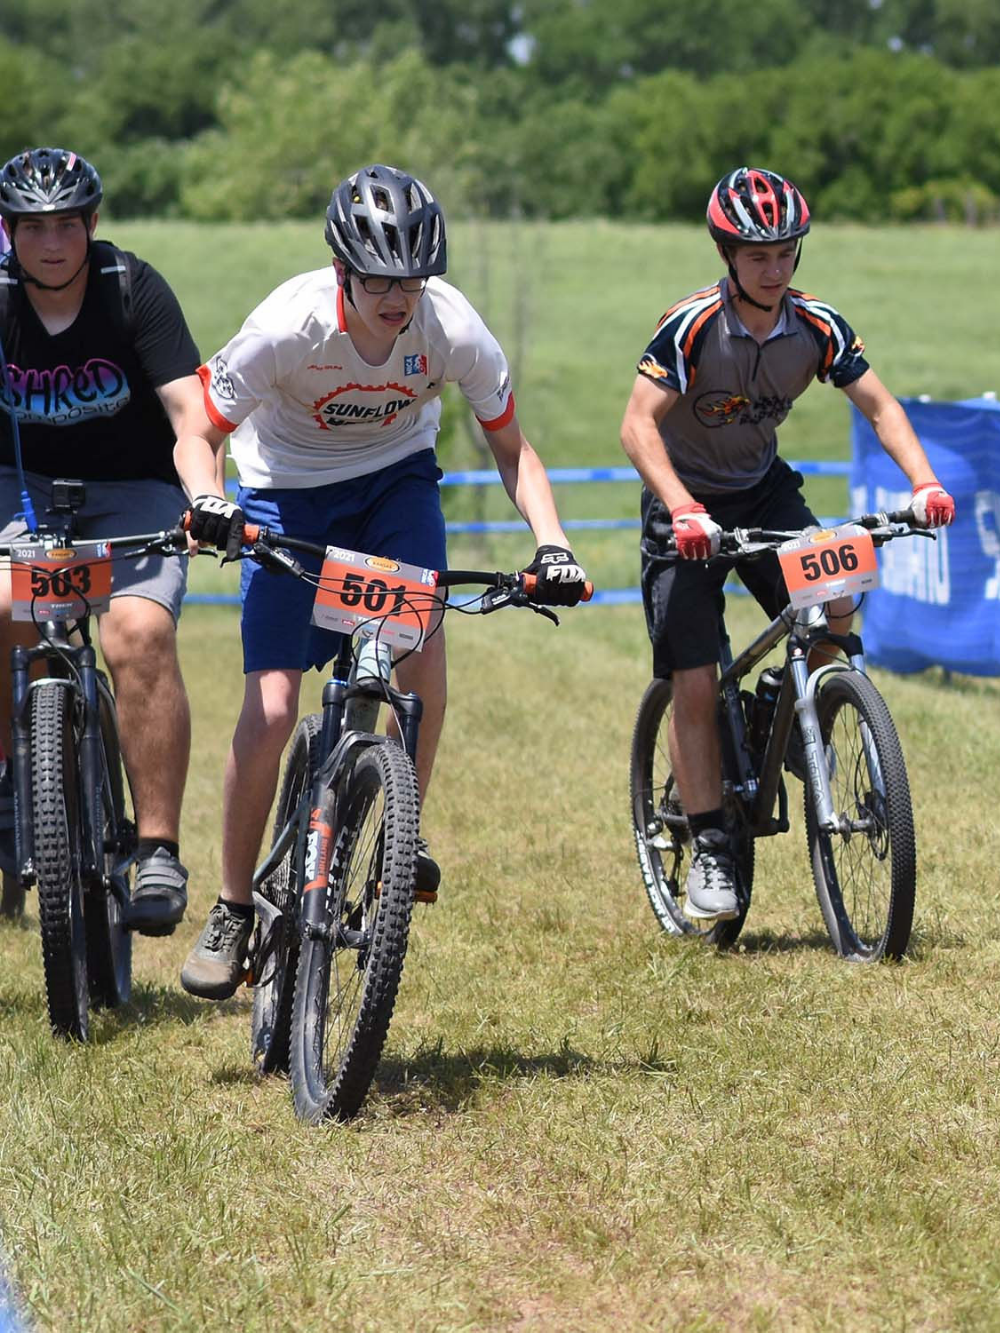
[{"x": 683, "y": 599}]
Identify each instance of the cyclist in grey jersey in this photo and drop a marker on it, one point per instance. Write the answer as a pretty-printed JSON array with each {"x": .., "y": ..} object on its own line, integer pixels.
[
  {"x": 734, "y": 391},
  {"x": 721, "y": 373}
]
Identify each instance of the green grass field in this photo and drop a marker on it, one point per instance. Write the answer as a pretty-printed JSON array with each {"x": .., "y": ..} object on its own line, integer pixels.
[{"x": 579, "y": 1122}]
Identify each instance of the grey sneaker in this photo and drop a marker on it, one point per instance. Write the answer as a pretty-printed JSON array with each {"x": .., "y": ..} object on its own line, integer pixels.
[
  {"x": 710, "y": 887},
  {"x": 217, "y": 963},
  {"x": 428, "y": 879},
  {"x": 160, "y": 894}
]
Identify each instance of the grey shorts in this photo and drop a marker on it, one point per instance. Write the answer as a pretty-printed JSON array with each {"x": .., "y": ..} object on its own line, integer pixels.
[{"x": 113, "y": 509}]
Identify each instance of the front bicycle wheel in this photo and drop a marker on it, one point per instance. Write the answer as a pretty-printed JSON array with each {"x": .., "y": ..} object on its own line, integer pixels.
[
  {"x": 865, "y": 872},
  {"x": 109, "y": 944},
  {"x": 661, "y": 832},
  {"x": 273, "y": 991},
  {"x": 349, "y": 970},
  {"x": 55, "y": 810}
]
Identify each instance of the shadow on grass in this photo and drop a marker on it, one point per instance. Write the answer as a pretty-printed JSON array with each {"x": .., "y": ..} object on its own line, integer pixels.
[
  {"x": 766, "y": 941},
  {"x": 439, "y": 1080}
]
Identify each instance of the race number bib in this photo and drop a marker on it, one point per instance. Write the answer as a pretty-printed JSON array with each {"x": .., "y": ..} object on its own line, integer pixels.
[
  {"x": 833, "y": 562},
  {"x": 59, "y": 582},
  {"x": 358, "y": 589}
]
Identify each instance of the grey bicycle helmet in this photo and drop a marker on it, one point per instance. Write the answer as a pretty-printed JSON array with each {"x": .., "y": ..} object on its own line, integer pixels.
[
  {"x": 383, "y": 222},
  {"x": 48, "y": 180}
]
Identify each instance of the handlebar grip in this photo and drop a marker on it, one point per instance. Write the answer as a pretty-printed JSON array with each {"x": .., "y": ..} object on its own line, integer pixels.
[
  {"x": 251, "y": 531},
  {"x": 529, "y": 582}
]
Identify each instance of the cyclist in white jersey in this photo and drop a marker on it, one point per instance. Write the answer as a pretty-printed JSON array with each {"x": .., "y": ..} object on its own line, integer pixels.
[
  {"x": 331, "y": 395},
  {"x": 720, "y": 374}
]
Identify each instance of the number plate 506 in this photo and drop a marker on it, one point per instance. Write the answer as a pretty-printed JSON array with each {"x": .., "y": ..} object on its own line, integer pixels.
[{"x": 834, "y": 562}]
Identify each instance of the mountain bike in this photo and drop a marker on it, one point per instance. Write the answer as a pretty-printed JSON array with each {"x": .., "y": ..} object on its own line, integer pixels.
[
  {"x": 830, "y": 726},
  {"x": 335, "y": 893},
  {"x": 74, "y": 830}
]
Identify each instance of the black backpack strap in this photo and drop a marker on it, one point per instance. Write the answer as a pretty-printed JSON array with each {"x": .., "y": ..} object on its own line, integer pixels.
[
  {"x": 7, "y": 285},
  {"x": 114, "y": 264},
  {"x": 116, "y": 285}
]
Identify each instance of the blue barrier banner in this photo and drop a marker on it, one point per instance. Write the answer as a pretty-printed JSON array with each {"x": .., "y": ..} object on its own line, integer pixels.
[{"x": 938, "y": 603}]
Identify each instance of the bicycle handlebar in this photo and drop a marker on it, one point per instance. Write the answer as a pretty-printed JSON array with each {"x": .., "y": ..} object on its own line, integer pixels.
[
  {"x": 256, "y": 534},
  {"x": 748, "y": 542}
]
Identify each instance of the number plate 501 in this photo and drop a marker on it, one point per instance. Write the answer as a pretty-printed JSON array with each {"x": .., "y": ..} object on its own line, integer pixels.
[
  {"x": 55, "y": 583},
  {"x": 356, "y": 589},
  {"x": 834, "y": 562}
]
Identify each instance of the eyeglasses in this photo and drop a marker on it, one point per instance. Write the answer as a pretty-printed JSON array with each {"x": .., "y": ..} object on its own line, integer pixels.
[{"x": 378, "y": 286}]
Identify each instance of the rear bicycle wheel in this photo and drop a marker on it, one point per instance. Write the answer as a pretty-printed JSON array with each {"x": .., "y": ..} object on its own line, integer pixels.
[
  {"x": 109, "y": 944},
  {"x": 865, "y": 874},
  {"x": 272, "y": 995},
  {"x": 55, "y": 810},
  {"x": 661, "y": 832},
  {"x": 349, "y": 972}
]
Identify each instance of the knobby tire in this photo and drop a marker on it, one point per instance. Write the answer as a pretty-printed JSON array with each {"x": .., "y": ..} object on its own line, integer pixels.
[
  {"x": 109, "y": 944},
  {"x": 56, "y": 819},
  {"x": 661, "y": 832},
  {"x": 349, "y": 973},
  {"x": 865, "y": 879},
  {"x": 272, "y": 1000}
]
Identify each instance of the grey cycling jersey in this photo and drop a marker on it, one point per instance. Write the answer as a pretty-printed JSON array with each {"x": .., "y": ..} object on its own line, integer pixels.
[{"x": 735, "y": 392}]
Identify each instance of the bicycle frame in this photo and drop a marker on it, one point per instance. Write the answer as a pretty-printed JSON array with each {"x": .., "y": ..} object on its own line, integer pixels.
[
  {"x": 796, "y": 697},
  {"x": 358, "y": 685}
]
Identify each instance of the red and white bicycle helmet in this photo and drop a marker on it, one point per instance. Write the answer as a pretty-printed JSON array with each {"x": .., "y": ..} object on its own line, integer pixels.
[{"x": 751, "y": 205}]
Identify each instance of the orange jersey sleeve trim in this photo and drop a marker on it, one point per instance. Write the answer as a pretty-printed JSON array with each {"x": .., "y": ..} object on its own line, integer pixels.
[
  {"x": 214, "y": 415},
  {"x": 497, "y": 423}
]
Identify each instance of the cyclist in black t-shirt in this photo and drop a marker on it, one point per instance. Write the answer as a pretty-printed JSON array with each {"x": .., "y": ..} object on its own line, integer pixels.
[{"x": 102, "y": 375}]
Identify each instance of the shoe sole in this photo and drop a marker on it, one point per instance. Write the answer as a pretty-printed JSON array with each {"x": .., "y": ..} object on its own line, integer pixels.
[
  {"x": 701, "y": 915},
  {"x": 205, "y": 991}
]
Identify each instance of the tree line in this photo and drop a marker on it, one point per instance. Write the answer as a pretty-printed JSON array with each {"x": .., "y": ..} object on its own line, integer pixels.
[{"x": 239, "y": 109}]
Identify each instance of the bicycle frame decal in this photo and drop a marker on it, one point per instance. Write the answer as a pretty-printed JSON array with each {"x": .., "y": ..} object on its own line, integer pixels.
[
  {"x": 820, "y": 566},
  {"x": 357, "y": 589},
  {"x": 56, "y": 582},
  {"x": 319, "y": 850}
]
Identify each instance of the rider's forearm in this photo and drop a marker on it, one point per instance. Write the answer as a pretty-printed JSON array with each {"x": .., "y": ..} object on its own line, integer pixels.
[
  {"x": 200, "y": 464},
  {"x": 527, "y": 484},
  {"x": 648, "y": 455},
  {"x": 899, "y": 440}
]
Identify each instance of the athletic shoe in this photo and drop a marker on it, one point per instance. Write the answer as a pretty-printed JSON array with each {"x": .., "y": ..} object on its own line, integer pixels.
[
  {"x": 160, "y": 894},
  {"x": 710, "y": 887},
  {"x": 216, "y": 965}
]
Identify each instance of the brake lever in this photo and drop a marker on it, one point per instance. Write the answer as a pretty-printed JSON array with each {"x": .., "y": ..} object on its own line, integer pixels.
[{"x": 495, "y": 598}]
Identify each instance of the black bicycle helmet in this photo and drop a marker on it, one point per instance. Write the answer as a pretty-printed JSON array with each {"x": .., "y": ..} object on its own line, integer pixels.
[
  {"x": 383, "y": 222},
  {"x": 751, "y": 205},
  {"x": 48, "y": 180}
]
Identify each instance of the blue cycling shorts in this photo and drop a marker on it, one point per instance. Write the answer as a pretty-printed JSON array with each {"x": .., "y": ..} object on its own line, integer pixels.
[{"x": 395, "y": 512}]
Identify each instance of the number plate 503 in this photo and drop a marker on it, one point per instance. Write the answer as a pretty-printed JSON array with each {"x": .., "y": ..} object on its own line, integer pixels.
[
  {"x": 356, "y": 589},
  {"x": 834, "y": 562},
  {"x": 56, "y": 583}
]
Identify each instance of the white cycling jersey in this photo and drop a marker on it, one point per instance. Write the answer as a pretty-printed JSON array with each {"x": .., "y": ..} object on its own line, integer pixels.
[{"x": 305, "y": 408}]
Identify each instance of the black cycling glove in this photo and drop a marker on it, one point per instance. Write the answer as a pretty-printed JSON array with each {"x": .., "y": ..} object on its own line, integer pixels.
[
  {"x": 561, "y": 581},
  {"x": 218, "y": 523}
]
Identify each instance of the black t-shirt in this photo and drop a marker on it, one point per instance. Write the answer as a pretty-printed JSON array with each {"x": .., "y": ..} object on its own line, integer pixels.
[{"x": 85, "y": 398}]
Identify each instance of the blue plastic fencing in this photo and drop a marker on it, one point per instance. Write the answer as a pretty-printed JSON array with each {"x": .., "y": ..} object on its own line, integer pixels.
[{"x": 558, "y": 476}]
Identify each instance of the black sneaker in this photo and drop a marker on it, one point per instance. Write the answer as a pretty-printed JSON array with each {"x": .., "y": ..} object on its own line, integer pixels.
[
  {"x": 428, "y": 879},
  {"x": 160, "y": 894},
  {"x": 216, "y": 965}
]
